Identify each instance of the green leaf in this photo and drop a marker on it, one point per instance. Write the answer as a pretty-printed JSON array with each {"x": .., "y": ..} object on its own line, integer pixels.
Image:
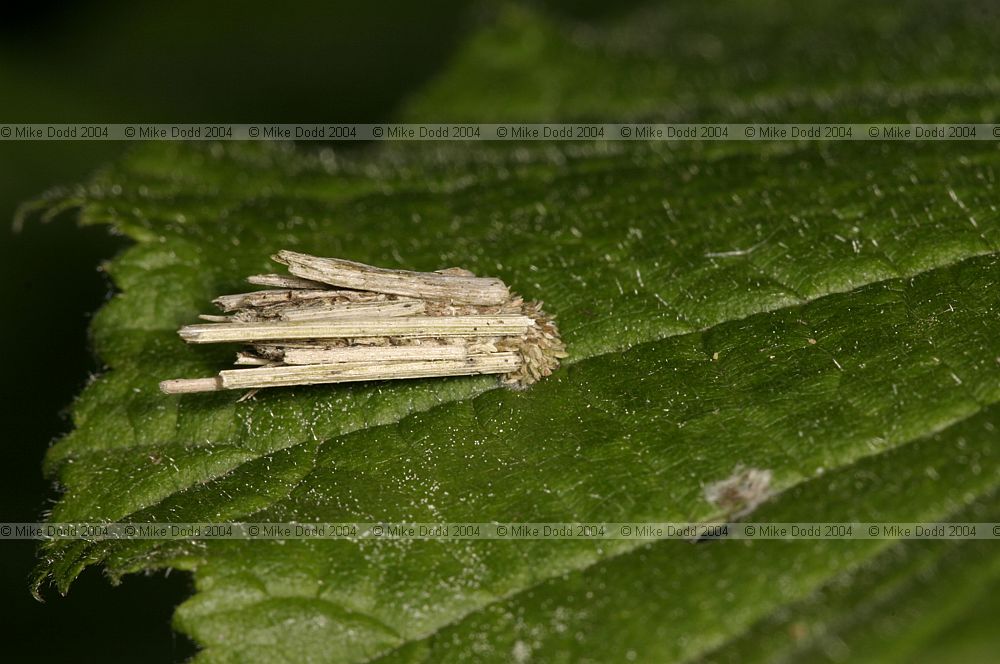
[
  {"x": 751, "y": 61},
  {"x": 767, "y": 600},
  {"x": 826, "y": 312}
]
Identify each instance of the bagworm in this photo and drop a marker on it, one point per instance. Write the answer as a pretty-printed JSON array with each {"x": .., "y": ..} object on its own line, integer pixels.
[{"x": 332, "y": 321}]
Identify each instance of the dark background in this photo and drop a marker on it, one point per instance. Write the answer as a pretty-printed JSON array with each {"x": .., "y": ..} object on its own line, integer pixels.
[{"x": 114, "y": 61}]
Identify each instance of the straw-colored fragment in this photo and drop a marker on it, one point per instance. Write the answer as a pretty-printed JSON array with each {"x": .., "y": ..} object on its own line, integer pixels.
[
  {"x": 373, "y": 354},
  {"x": 359, "y": 310},
  {"x": 191, "y": 385},
  {"x": 334, "y": 321},
  {"x": 492, "y": 363},
  {"x": 283, "y": 281},
  {"x": 251, "y": 360},
  {"x": 445, "y": 285},
  {"x": 291, "y": 297},
  {"x": 409, "y": 326}
]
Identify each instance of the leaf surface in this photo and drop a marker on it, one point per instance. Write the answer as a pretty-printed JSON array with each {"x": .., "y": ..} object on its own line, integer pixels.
[{"x": 827, "y": 312}]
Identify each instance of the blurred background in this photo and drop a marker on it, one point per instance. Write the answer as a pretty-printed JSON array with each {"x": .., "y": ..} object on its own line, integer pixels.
[{"x": 115, "y": 61}]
